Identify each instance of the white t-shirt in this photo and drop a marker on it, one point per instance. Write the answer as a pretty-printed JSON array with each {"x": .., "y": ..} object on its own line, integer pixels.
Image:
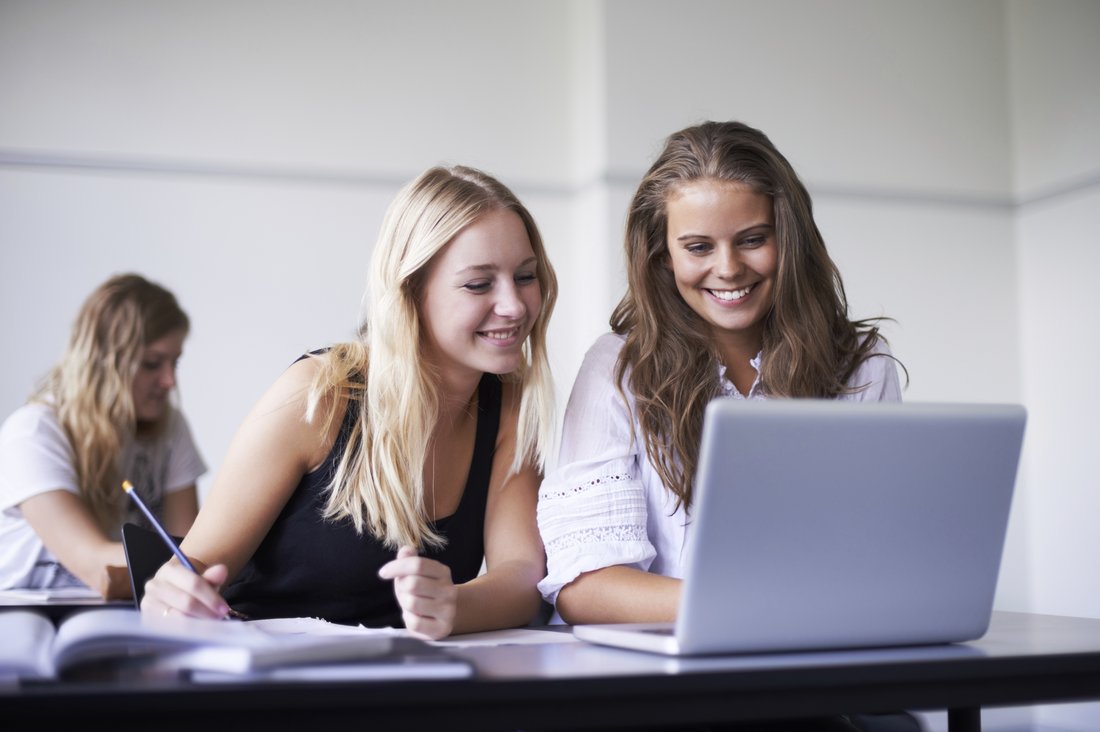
[
  {"x": 36, "y": 457},
  {"x": 605, "y": 504}
]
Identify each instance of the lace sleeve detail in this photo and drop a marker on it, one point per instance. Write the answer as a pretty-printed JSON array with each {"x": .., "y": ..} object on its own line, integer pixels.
[{"x": 590, "y": 523}]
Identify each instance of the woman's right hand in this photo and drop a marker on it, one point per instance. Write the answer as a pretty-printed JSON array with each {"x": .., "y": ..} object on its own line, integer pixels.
[{"x": 176, "y": 590}]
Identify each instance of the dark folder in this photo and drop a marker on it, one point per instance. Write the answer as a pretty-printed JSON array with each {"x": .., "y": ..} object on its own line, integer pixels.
[{"x": 145, "y": 553}]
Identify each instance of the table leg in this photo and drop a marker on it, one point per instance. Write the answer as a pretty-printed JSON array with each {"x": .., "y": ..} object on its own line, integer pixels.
[{"x": 964, "y": 719}]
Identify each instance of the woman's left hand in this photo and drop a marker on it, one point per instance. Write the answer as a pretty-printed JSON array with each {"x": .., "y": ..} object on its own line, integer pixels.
[{"x": 425, "y": 592}]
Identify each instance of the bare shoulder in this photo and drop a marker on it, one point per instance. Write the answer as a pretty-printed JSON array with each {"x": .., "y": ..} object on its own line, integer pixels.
[
  {"x": 290, "y": 388},
  {"x": 283, "y": 405},
  {"x": 282, "y": 417}
]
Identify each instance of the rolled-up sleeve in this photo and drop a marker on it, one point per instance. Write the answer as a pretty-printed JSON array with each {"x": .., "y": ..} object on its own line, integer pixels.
[{"x": 592, "y": 507}]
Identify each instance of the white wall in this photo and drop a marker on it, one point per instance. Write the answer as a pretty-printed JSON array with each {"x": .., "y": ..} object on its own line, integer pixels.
[
  {"x": 907, "y": 152},
  {"x": 243, "y": 153},
  {"x": 1055, "y": 93}
]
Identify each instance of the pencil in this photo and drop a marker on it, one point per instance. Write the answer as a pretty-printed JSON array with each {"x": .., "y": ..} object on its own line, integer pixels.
[{"x": 129, "y": 488}]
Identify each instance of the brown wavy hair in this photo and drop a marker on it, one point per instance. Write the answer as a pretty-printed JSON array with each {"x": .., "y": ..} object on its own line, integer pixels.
[{"x": 669, "y": 362}]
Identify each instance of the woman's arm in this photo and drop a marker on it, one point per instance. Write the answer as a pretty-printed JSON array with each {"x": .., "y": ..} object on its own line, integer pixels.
[
  {"x": 593, "y": 512},
  {"x": 66, "y": 526},
  {"x": 272, "y": 449},
  {"x": 619, "y": 594},
  {"x": 505, "y": 595},
  {"x": 180, "y": 509}
]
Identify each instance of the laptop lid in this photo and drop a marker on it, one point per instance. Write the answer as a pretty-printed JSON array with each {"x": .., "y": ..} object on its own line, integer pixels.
[
  {"x": 145, "y": 553},
  {"x": 830, "y": 524}
]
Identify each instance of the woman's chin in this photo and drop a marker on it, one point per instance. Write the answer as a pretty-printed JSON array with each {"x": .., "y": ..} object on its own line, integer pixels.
[{"x": 151, "y": 412}]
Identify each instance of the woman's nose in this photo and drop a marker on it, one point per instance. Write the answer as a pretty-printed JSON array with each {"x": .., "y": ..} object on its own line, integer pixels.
[
  {"x": 729, "y": 263},
  {"x": 509, "y": 304}
]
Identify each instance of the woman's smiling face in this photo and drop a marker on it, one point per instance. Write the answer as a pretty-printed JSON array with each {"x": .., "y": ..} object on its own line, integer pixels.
[
  {"x": 482, "y": 296},
  {"x": 724, "y": 257}
]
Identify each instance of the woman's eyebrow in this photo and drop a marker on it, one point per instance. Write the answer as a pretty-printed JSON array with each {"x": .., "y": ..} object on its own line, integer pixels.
[{"x": 493, "y": 267}]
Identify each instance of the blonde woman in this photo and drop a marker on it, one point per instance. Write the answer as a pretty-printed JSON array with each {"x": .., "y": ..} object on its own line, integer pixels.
[
  {"x": 373, "y": 478},
  {"x": 103, "y": 414}
]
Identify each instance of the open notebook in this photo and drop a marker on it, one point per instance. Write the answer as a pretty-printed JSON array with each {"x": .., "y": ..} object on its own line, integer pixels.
[{"x": 829, "y": 524}]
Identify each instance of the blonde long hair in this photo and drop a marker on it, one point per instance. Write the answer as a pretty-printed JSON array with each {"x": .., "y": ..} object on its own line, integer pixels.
[
  {"x": 91, "y": 387},
  {"x": 669, "y": 361},
  {"x": 378, "y": 483}
]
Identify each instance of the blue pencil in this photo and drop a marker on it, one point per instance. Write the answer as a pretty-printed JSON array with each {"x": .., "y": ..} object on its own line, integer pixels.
[{"x": 129, "y": 488}]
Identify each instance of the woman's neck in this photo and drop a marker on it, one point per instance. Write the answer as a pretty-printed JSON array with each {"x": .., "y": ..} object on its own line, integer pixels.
[
  {"x": 457, "y": 397},
  {"x": 737, "y": 354}
]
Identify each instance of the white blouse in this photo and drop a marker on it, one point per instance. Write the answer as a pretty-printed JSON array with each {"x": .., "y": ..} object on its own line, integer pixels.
[{"x": 605, "y": 504}]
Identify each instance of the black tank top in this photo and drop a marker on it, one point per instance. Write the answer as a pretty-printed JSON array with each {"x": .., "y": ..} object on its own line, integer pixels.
[{"x": 309, "y": 567}]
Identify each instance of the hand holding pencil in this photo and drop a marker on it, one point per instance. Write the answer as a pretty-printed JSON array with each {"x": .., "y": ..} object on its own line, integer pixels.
[
  {"x": 182, "y": 589},
  {"x": 129, "y": 488}
]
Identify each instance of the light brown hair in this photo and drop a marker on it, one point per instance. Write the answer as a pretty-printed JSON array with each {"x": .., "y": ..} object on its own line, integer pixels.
[
  {"x": 91, "y": 387},
  {"x": 669, "y": 363}
]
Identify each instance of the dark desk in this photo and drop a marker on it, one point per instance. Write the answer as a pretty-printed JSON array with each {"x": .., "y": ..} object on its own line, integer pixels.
[
  {"x": 55, "y": 610},
  {"x": 1022, "y": 660}
]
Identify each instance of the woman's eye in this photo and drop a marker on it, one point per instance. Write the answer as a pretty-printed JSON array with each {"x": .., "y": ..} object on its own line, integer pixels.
[
  {"x": 526, "y": 278},
  {"x": 757, "y": 239},
  {"x": 698, "y": 248},
  {"x": 479, "y": 286}
]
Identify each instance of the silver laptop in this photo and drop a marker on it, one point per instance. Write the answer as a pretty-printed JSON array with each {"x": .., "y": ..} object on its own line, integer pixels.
[{"x": 827, "y": 525}]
